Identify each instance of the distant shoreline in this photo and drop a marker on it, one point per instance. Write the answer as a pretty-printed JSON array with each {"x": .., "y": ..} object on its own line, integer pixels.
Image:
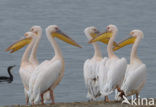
[{"x": 83, "y": 104}]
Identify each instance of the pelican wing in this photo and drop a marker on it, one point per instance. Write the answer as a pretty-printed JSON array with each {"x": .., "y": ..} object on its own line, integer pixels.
[
  {"x": 46, "y": 78},
  {"x": 115, "y": 74},
  {"x": 134, "y": 79},
  {"x": 85, "y": 71},
  {"x": 91, "y": 69},
  {"x": 103, "y": 73},
  {"x": 34, "y": 75}
]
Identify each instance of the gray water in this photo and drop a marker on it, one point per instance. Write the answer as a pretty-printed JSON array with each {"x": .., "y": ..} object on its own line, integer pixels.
[{"x": 73, "y": 16}]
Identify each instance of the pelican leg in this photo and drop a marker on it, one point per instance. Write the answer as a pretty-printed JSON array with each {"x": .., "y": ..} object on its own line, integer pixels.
[
  {"x": 52, "y": 96},
  {"x": 42, "y": 100},
  {"x": 33, "y": 103},
  {"x": 106, "y": 99},
  {"x": 90, "y": 100},
  {"x": 26, "y": 99},
  {"x": 137, "y": 96},
  {"x": 121, "y": 92},
  {"x": 26, "y": 96}
]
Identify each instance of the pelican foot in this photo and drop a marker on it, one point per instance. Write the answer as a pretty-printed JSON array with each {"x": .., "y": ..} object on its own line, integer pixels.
[{"x": 121, "y": 94}]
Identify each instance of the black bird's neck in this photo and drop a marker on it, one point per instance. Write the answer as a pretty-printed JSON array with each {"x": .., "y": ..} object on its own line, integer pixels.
[{"x": 9, "y": 72}]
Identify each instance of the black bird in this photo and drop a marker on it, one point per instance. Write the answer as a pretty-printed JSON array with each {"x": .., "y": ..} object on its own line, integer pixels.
[{"x": 7, "y": 79}]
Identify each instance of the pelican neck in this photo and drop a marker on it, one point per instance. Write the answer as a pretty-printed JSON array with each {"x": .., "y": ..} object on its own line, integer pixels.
[
  {"x": 110, "y": 51},
  {"x": 57, "y": 50},
  {"x": 134, "y": 56}
]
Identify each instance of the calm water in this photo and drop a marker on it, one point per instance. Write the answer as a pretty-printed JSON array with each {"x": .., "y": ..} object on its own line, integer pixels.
[{"x": 17, "y": 16}]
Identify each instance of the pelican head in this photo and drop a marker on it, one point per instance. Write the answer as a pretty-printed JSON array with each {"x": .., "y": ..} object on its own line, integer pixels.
[
  {"x": 36, "y": 30},
  {"x": 137, "y": 33},
  {"x": 29, "y": 35},
  {"x": 21, "y": 43},
  {"x": 130, "y": 40},
  {"x": 91, "y": 32},
  {"x": 54, "y": 31},
  {"x": 105, "y": 37},
  {"x": 111, "y": 28}
]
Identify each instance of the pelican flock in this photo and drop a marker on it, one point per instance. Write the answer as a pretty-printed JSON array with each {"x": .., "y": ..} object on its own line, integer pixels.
[
  {"x": 50, "y": 72},
  {"x": 93, "y": 71},
  {"x": 114, "y": 66},
  {"x": 102, "y": 75}
]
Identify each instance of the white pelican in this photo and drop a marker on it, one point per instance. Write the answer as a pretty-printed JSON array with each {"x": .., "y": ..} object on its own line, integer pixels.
[
  {"x": 33, "y": 59},
  {"x": 91, "y": 67},
  {"x": 115, "y": 66},
  {"x": 37, "y": 30},
  {"x": 26, "y": 67},
  {"x": 50, "y": 72},
  {"x": 93, "y": 73},
  {"x": 135, "y": 76}
]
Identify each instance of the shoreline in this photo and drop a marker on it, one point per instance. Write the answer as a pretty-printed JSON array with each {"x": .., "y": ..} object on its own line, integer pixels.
[{"x": 84, "y": 104}]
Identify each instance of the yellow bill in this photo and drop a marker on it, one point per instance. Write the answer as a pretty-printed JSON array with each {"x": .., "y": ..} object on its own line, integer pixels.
[
  {"x": 65, "y": 38},
  {"x": 18, "y": 45},
  {"x": 124, "y": 43},
  {"x": 104, "y": 38}
]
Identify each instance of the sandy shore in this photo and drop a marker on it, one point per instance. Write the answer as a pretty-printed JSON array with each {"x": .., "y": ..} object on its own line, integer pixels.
[{"x": 84, "y": 104}]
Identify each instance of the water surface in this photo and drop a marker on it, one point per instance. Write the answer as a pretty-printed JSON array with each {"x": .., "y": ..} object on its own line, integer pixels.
[{"x": 73, "y": 16}]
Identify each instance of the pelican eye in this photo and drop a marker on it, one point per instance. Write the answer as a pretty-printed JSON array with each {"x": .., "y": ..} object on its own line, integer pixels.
[
  {"x": 94, "y": 30},
  {"x": 132, "y": 33},
  {"x": 56, "y": 28}
]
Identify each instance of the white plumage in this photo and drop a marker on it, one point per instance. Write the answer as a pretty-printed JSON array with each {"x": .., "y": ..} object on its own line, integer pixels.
[
  {"x": 25, "y": 74},
  {"x": 33, "y": 77},
  {"x": 91, "y": 70},
  {"x": 37, "y": 30},
  {"x": 114, "y": 67},
  {"x": 49, "y": 73},
  {"x": 103, "y": 73},
  {"x": 47, "y": 76},
  {"x": 135, "y": 79},
  {"x": 115, "y": 74},
  {"x": 135, "y": 76},
  {"x": 26, "y": 67},
  {"x": 29, "y": 61}
]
